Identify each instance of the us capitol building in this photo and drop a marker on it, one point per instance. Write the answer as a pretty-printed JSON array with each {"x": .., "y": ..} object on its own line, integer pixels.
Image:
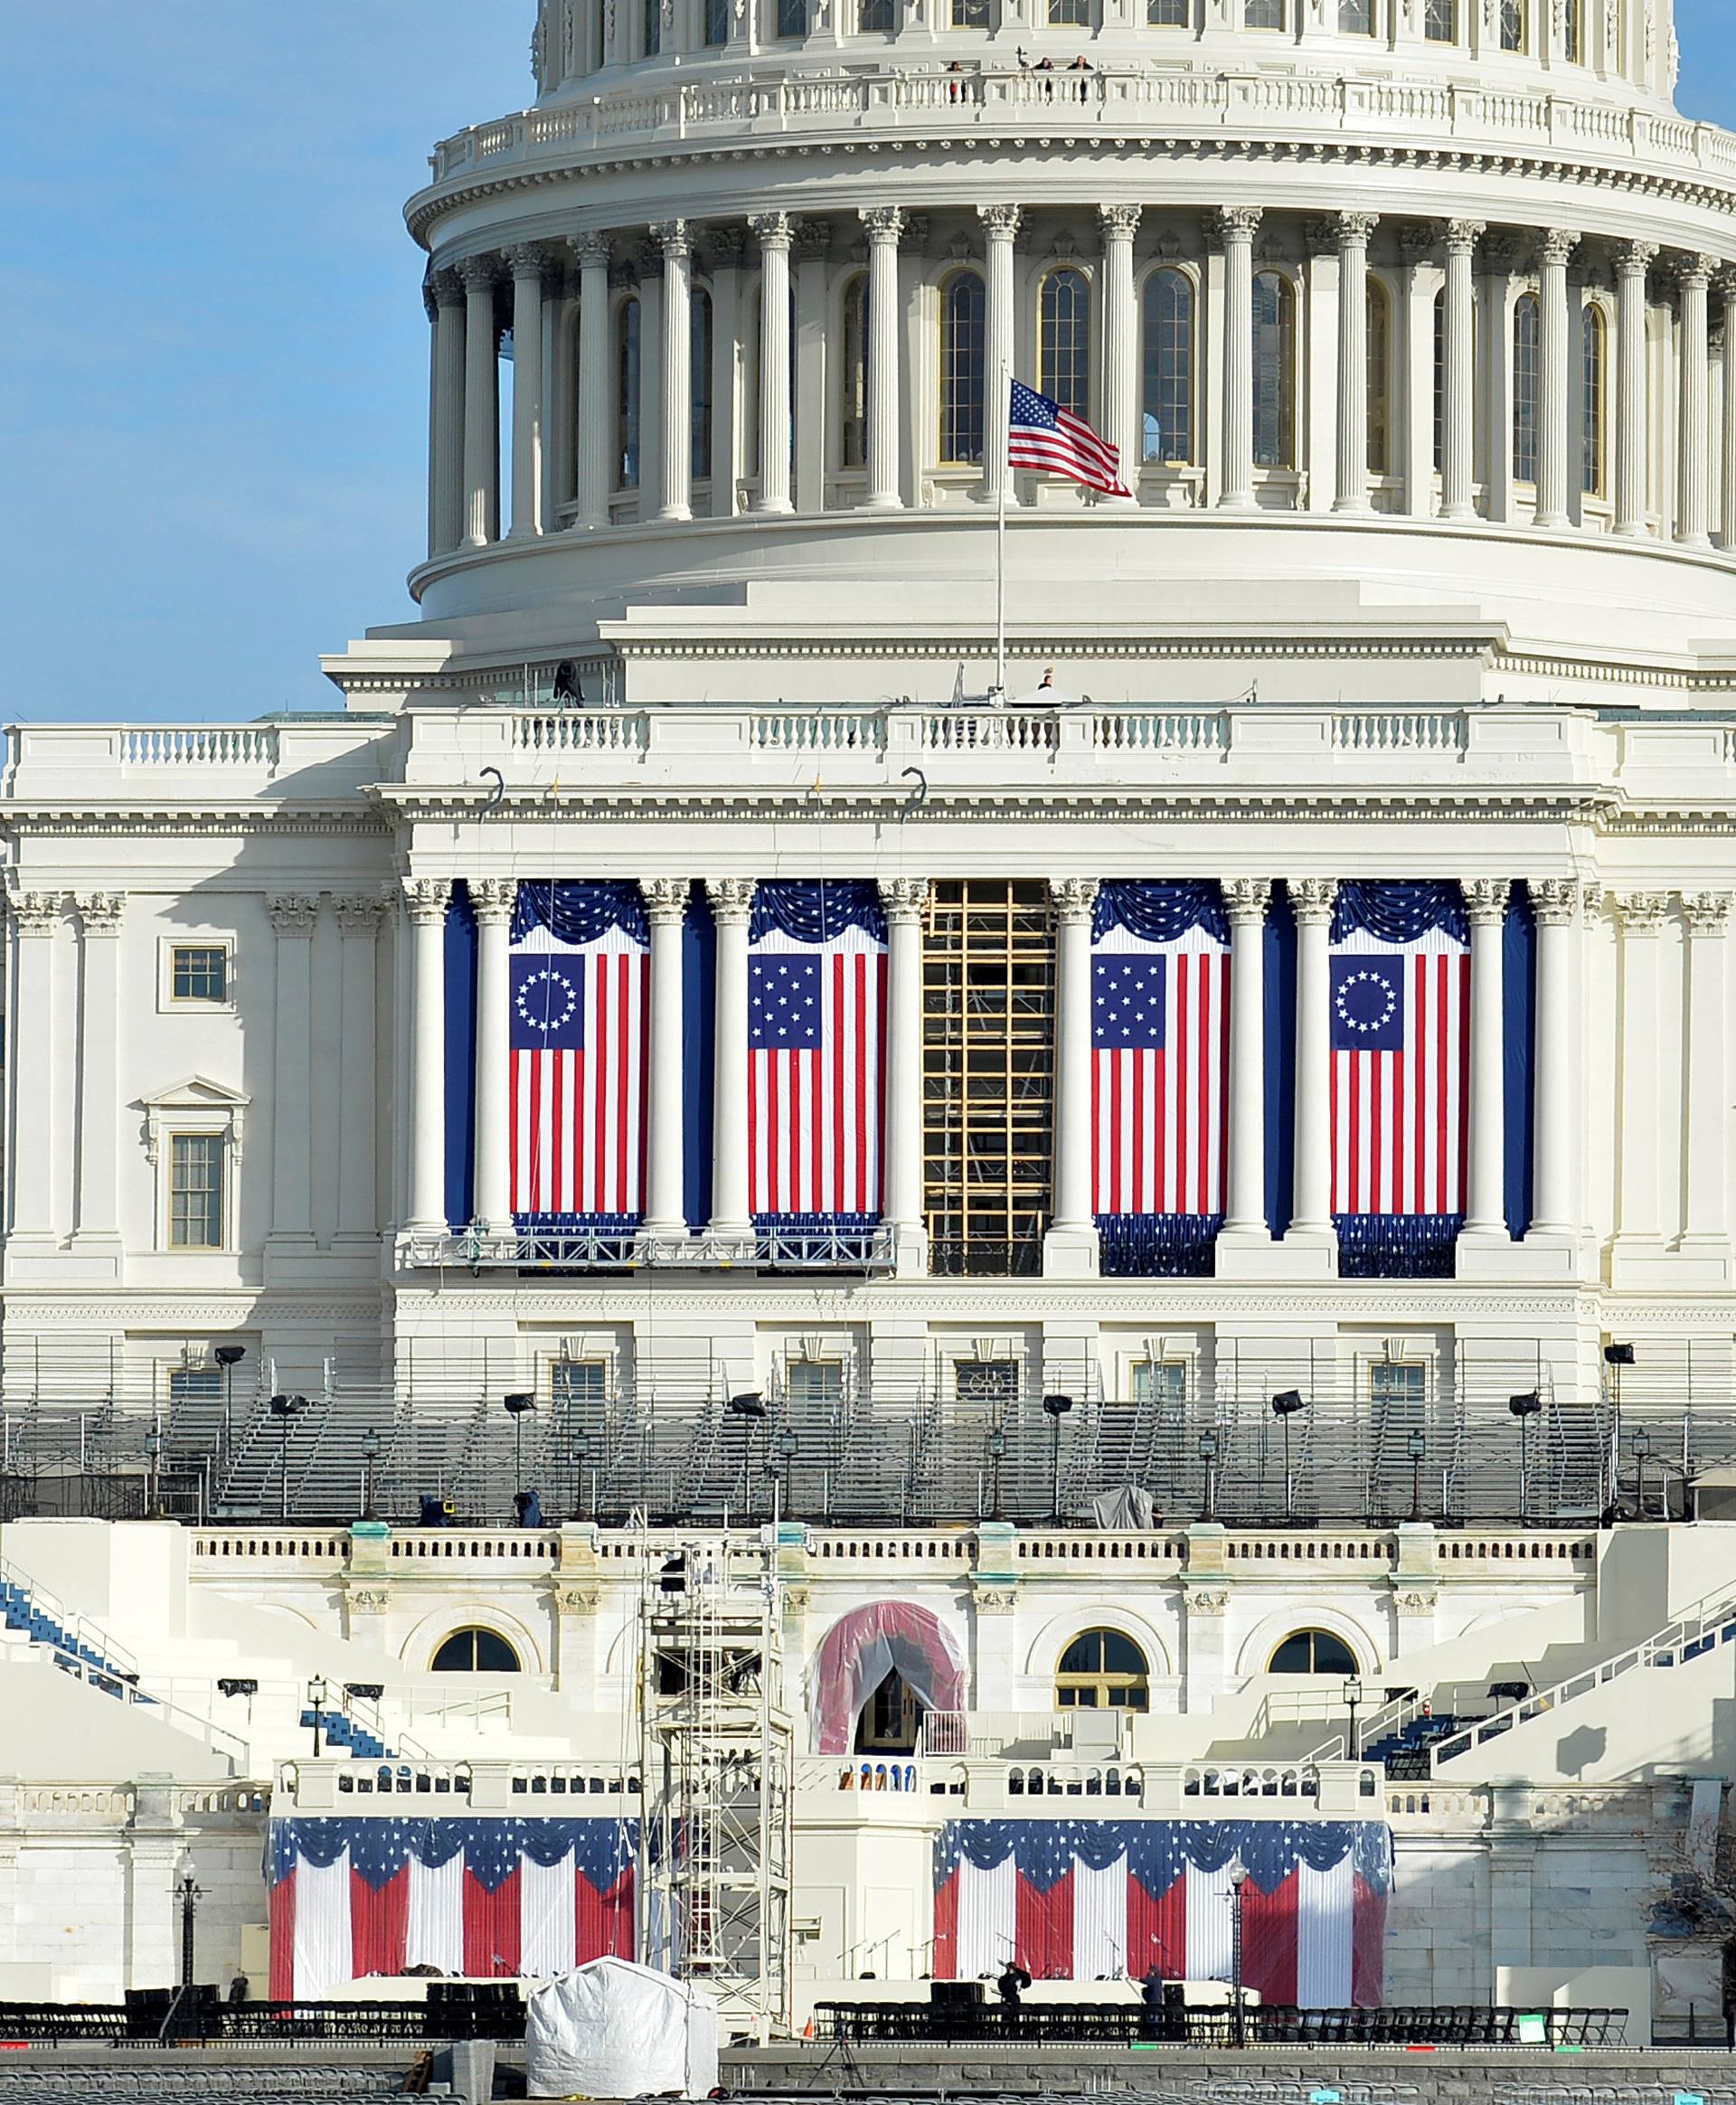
[{"x": 1151, "y": 1225}]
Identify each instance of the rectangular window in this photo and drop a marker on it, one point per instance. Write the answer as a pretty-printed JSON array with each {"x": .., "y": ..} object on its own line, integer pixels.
[
  {"x": 199, "y": 972},
  {"x": 792, "y": 17},
  {"x": 580, "y": 1382},
  {"x": 1070, "y": 14},
  {"x": 972, "y": 14},
  {"x": 1573, "y": 32},
  {"x": 1513, "y": 25},
  {"x": 814, "y": 1386},
  {"x": 653, "y": 27},
  {"x": 196, "y": 1191},
  {"x": 1263, "y": 14},
  {"x": 717, "y": 22},
  {"x": 1160, "y": 1385},
  {"x": 1356, "y": 17},
  {"x": 990, "y": 1382},
  {"x": 1397, "y": 1385},
  {"x": 875, "y": 16},
  {"x": 1168, "y": 14},
  {"x": 191, "y": 1384},
  {"x": 1441, "y": 20}
]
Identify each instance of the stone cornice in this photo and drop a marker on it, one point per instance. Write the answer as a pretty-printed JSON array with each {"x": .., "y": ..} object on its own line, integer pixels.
[{"x": 133, "y": 819}]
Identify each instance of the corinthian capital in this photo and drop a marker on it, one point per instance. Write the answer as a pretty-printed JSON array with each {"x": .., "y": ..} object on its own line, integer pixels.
[
  {"x": 293, "y": 913},
  {"x": 904, "y": 899},
  {"x": 447, "y": 289},
  {"x": 884, "y": 222},
  {"x": 101, "y": 911},
  {"x": 1558, "y": 244},
  {"x": 1312, "y": 900},
  {"x": 1118, "y": 221},
  {"x": 494, "y": 898},
  {"x": 1634, "y": 258},
  {"x": 1485, "y": 901},
  {"x": 731, "y": 900},
  {"x": 665, "y": 900},
  {"x": 1235, "y": 223},
  {"x": 1353, "y": 229},
  {"x": 1554, "y": 900},
  {"x": 359, "y": 915},
  {"x": 426, "y": 899},
  {"x": 1073, "y": 897},
  {"x": 1000, "y": 222},
  {"x": 1246, "y": 898},
  {"x": 1642, "y": 912},
  {"x": 36, "y": 914},
  {"x": 771, "y": 229},
  {"x": 1707, "y": 912},
  {"x": 528, "y": 260},
  {"x": 591, "y": 250},
  {"x": 674, "y": 237},
  {"x": 1463, "y": 235},
  {"x": 479, "y": 273}
]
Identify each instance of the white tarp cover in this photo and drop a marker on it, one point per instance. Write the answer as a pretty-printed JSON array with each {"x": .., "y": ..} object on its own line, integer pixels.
[{"x": 612, "y": 2029}]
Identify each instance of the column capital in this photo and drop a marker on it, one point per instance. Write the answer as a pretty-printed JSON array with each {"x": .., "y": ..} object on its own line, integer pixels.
[
  {"x": 884, "y": 222},
  {"x": 1642, "y": 912},
  {"x": 528, "y": 260},
  {"x": 1000, "y": 222},
  {"x": 811, "y": 240},
  {"x": 1463, "y": 235},
  {"x": 1485, "y": 901},
  {"x": 904, "y": 899},
  {"x": 1353, "y": 229},
  {"x": 1696, "y": 269},
  {"x": 494, "y": 898},
  {"x": 1417, "y": 240},
  {"x": 101, "y": 911},
  {"x": 1557, "y": 245},
  {"x": 446, "y": 287},
  {"x": 1707, "y": 913},
  {"x": 1235, "y": 223},
  {"x": 426, "y": 899},
  {"x": 360, "y": 914},
  {"x": 293, "y": 913},
  {"x": 730, "y": 898},
  {"x": 665, "y": 900},
  {"x": 725, "y": 246},
  {"x": 479, "y": 273},
  {"x": 591, "y": 250},
  {"x": 1312, "y": 900},
  {"x": 1554, "y": 901},
  {"x": 674, "y": 237},
  {"x": 1725, "y": 283},
  {"x": 36, "y": 914},
  {"x": 1073, "y": 898},
  {"x": 771, "y": 229},
  {"x": 1118, "y": 221},
  {"x": 1634, "y": 258},
  {"x": 1246, "y": 898}
]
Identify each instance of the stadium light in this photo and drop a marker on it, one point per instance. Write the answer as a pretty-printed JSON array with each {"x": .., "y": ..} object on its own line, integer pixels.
[
  {"x": 1057, "y": 1408},
  {"x": 1285, "y": 1406}
]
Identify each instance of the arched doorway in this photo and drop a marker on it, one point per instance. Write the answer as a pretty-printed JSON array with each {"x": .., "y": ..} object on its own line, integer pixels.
[{"x": 866, "y": 1652}]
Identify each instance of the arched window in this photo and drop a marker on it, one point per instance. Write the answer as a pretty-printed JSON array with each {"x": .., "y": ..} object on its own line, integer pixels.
[
  {"x": 1525, "y": 325},
  {"x": 475, "y": 1651},
  {"x": 1378, "y": 310},
  {"x": 1593, "y": 347},
  {"x": 626, "y": 395},
  {"x": 1169, "y": 13},
  {"x": 1064, "y": 341},
  {"x": 1274, "y": 371},
  {"x": 1440, "y": 377},
  {"x": 1167, "y": 409},
  {"x": 1312, "y": 1652},
  {"x": 875, "y": 17},
  {"x": 854, "y": 379},
  {"x": 1070, "y": 14},
  {"x": 699, "y": 338},
  {"x": 891, "y": 1719},
  {"x": 653, "y": 20},
  {"x": 1262, "y": 13},
  {"x": 1573, "y": 32},
  {"x": 1356, "y": 17},
  {"x": 1441, "y": 20},
  {"x": 717, "y": 22},
  {"x": 1513, "y": 25},
  {"x": 1102, "y": 1670},
  {"x": 962, "y": 357},
  {"x": 792, "y": 17}
]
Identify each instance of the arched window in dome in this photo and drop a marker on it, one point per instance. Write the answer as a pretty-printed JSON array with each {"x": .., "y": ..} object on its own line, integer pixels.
[
  {"x": 792, "y": 18},
  {"x": 1263, "y": 14},
  {"x": 475, "y": 1651},
  {"x": 854, "y": 379},
  {"x": 1169, "y": 13},
  {"x": 1441, "y": 20},
  {"x": 1513, "y": 24},
  {"x": 1167, "y": 407},
  {"x": 1573, "y": 32},
  {"x": 1312, "y": 1652},
  {"x": 1356, "y": 17},
  {"x": 1274, "y": 371},
  {"x": 700, "y": 382},
  {"x": 962, "y": 357},
  {"x": 1064, "y": 340},
  {"x": 875, "y": 17},
  {"x": 1103, "y": 1670},
  {"x": 717, "y": 22},
  {"x": 1378, "y": 310},
  {"x": 651, "y": 33},
  {"x": 1526, "y": 331},
  {"x": 1594, "y": 345},
  {"x": 627, "y": 394},
  {"x": 1441, "y": 378},
  {"x": 972, "y": 13}
]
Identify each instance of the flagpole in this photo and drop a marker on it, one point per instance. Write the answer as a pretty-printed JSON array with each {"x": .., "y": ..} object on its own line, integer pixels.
[{"x": 1000, "y": 539}]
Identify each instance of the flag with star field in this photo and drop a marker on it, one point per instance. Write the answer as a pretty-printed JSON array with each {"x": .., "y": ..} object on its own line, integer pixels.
[
  {"x": 1108, "y": 1898},
  {"x": 580, "y": 970},
  {"x": 817, "y": 1038},
  {"x": 1401, "y": 1049},
  {"x": 384, "y": 1893}
]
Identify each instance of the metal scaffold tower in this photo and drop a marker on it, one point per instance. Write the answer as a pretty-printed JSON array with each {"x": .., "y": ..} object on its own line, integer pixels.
[{"x": 716, "y": 1747}]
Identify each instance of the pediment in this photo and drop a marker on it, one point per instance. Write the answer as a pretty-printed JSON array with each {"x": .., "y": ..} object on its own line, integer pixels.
[{"x": 198, "y": 1092}]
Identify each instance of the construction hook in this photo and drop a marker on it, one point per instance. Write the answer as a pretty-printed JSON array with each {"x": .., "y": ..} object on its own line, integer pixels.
[
  {"x": 919, "y": 796},
  {"x": 497, "y": 795}
]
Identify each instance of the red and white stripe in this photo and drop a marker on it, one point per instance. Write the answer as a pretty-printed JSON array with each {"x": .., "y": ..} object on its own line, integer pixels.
[
  {"x": 1400, "y": 1119},
  {"x": 578, "y": 1115},
  {"x": 1158, "y": 1114},
  {"x": 1071, "y": 449},
  {"x": 814, "y": 1116}
]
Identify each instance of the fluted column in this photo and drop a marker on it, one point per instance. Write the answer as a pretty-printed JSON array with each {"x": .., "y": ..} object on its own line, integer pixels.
[
  {"x": 446, "y": 416},
  {"x": 481, "y": 403},
  {"x": 884, "y": 223},
  {"x": 1692, "y": 489},
  {"x": 1311, "y": 1209},
  {"x": 1554, "y": 394},
  {"x": 1070, "y": 1248},
  {"x": 593, "y": 435},
  {"x": 1727, "y": 514},
  {"x": 492, "y": 1206},
  {"x": 672, "y": 236},
  {"x": 1120, "y": 223},
  {"x": 98, "y": 1214},
  {"x": 1000, "y": 227},
  {"x": 905, "y": 900},
  {"x": 1705, "y": 1227},
  {"x": 1641, "y": 915},
  {"x": 1245, "y": 900},
  {"x": 1353, "y": 229},
  {"x": 1633, "y": 260},
  {"x": 528, "y": 260},
  {"x": 1458, "y": 391},
  {"x": 1555, "y": 1120},
  {"x": 1485, "y": 906},
  {"x": 666, "y": 906},
  {"x": 1238, "y": 225},
  {"x": 34, "y": 1080},
  {"x": 425, "y": 902},
  {"x": 773, "y": 230},
  {"x": 731, "y": 902},
  {"x": 293, "y": 917},
  {"x": 358, "y": 921}
]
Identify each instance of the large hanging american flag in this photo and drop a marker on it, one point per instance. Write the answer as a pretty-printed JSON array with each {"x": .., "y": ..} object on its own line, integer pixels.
[
  {"x": 579, "y": 984},
  {"x": 1086, "y": 1899},
  {"x": 817, "y": 1009},
  {"x": 1042, "y": 435},
  {"x": 386, "y": 1892}
]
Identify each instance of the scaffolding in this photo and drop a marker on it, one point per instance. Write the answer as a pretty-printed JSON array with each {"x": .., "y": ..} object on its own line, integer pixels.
[{"x": 716, "y": 1747}]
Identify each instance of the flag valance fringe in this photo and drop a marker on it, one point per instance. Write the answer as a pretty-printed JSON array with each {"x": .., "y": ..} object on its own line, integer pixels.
[
  {"x": 817, "y": 910},
  {"x": 1397, "y": 1246},
  {"x": 1159, "y": 912},
  {"x": 579, "y": 913},
  {"x": 1399, "y": 913},
  {"x": 1172, "y": 1246}
]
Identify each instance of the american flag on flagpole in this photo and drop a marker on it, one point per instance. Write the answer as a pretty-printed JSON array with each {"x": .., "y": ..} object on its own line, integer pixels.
[{"x": 1042, "y": 435}]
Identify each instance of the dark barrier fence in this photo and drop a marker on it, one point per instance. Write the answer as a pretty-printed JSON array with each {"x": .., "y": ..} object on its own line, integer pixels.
[
  {"x": 159, "y": 2017},
  {"x": 1129, "y": 2025}
]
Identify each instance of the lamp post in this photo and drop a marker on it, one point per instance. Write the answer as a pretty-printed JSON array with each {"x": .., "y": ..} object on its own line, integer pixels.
[
  {"x": 1057, "y": 1408},
  {"x": 370, "y": 1466},
  {"x": 1416, "y": 1445},
  {"x": 316, "y": 1695},
  {"x": 749, "y": 1410},
  {"x": 518, "y": 1406},
  {"x": 997, "y": 1456},
  {"x": 1285, "y": 1406},
  {"x": 153, "y": 1474},
  {"x": 581, "y": 1456},
  {"x": 786, "y": 1444},
  {"x": 227, "y": 1356},
  {"x": 1208, "y": 1456},
  {"x": 1617, "y": 1354},
  {"x": 1524, "y": 1409},
  {"x": 283, "y": 1409},
  {"x": 1238, "y": 2012},
  {"x": 1642, "y": 1447},
  {"x": 1352, "y": 1702}
]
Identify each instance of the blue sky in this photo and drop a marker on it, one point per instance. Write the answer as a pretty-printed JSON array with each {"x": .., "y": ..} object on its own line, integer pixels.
[{"x": 213, "y": 385}]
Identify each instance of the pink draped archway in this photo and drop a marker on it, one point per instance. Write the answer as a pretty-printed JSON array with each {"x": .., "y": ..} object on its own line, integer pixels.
[{"x": 862, "y": 1649}]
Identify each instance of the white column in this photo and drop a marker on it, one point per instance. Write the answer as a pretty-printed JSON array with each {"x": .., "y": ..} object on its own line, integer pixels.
[
  {"x": 481, "y": 403},
  {"x": 725, "y": 245},
  {"x": 1693, "y": 491},
  {"x": 731, "y": 900},
  {"x": 1353, "y": 229},
  {"x": 1633, "y": 260},
  {"x": 1000, "y": 226},
  {"x": 1238, "y": 224},
  {"x": 1458, "y": 399},
  {"x": 492, "y": 1205},
  {"x": 1070, "y": 1248},
  {"x": 1245, "y": 900},
  {"x": 36, "y": 926},
  {"x": 358, "y": 921},
  {"x": 774, "y": 234},
  {"x": 1705, "y": 1227},
  {"x": 677, "y": 364},
  {"x": 884, "y": 223},
  {"x": 425, "y": 903},
  {"x": 1555, "y": 356},
  {"x": 1120, "y": 223},
  {"x": 528, "y": 260},
  {"x": 1554, "y": 1204},
  {"x": 1727, "y": 514},
  {"x": 98, "y": 1214},
  {"x": 555, "y": 489},
  {"x": 594, "y": 419},
  {"x": 810, "y": 247},
  {"x": 446, "y": 417},
  {"x": 293, "y": 916},
  {"x": 1641, "y": 915},
  {"x": 1485, "y": 906},
  {"x": 905, "y": 900},
  {"x": 666, "y": 906},
  {"x": 1311, "y": 1207}
]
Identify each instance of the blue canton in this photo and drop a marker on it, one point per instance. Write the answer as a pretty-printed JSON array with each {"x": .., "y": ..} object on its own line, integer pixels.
[
  {"x": 1031, "y": 408},
  {"x": 548, "y": 1003},
  {"x": 1128, "y": 1003},
  {"x": 783, "y": 1002},
  {"x": 1367, "y": 1004}
]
